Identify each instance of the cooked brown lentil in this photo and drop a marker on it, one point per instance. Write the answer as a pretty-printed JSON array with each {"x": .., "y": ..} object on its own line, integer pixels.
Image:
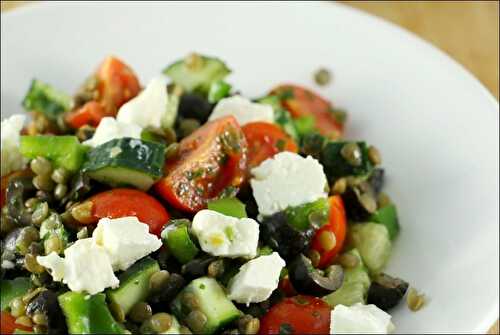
[
  {"x": 351, "y": 152},
  {"x": 322, "y": 77},
  {"x": 140, "y": 312}
]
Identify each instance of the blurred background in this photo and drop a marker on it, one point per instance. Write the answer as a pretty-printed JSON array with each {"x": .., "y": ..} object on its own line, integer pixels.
[{"x": 466, "y": 30}]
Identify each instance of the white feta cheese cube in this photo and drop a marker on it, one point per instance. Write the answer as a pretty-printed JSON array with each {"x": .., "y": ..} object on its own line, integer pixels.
[
  {"x": 360, "y": 319},
  {"x": 85, "y": 267},
  {"x": 285, "y": 180},
  {"x": 227, "y": 236},
  {"x": 126, "y": 240},
  {"x": 149, "y": 108},
  {"x": 109, "y": 129},
  {"x": 243, "y": 110},
  {"x": 12, "y": 160},
  {"x": 257, "y": 279}
]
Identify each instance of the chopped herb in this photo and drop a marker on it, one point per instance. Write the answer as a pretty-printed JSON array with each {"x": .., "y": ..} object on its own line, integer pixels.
[
  {"x": 280, "y": 144},
  {"x": 285, "y": 329},
  {"x": 202, "y": 286},
  {"x": 340, "y": 115},
  {"x": 287, "y": 94}
]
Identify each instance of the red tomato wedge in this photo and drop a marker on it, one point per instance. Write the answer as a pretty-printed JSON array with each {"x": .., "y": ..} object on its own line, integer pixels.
[
  {"x": 297, "y": 315},
  {"x": 264, "y": 141},
  {"x": 116, "y": 84},
  {"x": 8, "y": 324},
  {"x": 300, "y": 101},
  {"x": 211, "y": 160},
  {"x": 121, "y": 202},
  {"x": 337, "y": 224}
]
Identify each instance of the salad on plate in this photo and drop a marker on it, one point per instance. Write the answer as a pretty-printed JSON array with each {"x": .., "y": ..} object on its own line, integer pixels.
[{"x": 183, "y": 206}]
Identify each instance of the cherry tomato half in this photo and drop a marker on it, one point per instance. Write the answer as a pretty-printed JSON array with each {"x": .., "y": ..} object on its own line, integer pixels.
[
  {"x": 121, "y": 202},
  {"x": 300, "y": 102},
  {"x": 211, "y": 160},
  {"x": 297, "y": 315},
  {"x": 8, "y": 324},
  {"x": 91, "y": 113},
  {"x": 337, "y": 225},
  {"x": 264, "y": 141}
]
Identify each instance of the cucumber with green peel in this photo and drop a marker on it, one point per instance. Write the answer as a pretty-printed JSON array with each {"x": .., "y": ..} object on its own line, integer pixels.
[
  {"x": 387, "y": 216},
  {"x": 134, "y": 285},
  {"x": 355, "y": 286},
  {"x": 176, "y": 237},
  {"x": 88, "y": 314},
  {"x": 373, "y": 243},
  {"x": 63, "y": 151},
  {"x": 197, "y": 72},
  {"x": 45, "y": 99},
  {"x": 11, "y": 289},
  {"x": 212, "y": 302},
  {"x": 303, "y": 216},
  {"x": 228, "y": 206},
  {"x": 126, "y": 162}
]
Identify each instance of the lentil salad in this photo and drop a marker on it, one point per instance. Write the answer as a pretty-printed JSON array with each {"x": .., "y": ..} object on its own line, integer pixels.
[{"x": 185, "y": 207}]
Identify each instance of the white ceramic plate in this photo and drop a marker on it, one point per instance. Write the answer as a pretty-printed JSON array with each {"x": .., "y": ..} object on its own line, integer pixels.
[{"x": 435, "y": 124}]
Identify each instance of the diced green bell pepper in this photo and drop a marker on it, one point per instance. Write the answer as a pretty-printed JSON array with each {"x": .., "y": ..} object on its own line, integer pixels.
[
  {"x": 301, "y": 216},
  {"x": 387, "y": 216},
  {"x": 88, "y": 314},
  {"x": 63, "y": 151},
  {"x": 176, "y": 237},
  {"x": 228, "y": 206},
  {"x": 218, "y": 90}
]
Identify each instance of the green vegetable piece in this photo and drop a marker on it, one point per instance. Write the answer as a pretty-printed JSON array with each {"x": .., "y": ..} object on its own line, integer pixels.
[
  {"x": 316, "y": 212},
  {"x": 88, "y": 314},
  {"x": 354, "y": 287},
  {"x": 47, "y": 100},
  {"x": 264, "y": 251},
  {"x": 228, "y": 206},
  {"x": 212, "y": 302},
  {"x": 176, "y": 237},
  {"x": 197, "y": 72},
  {"x": 11, "y": 289},
  {"x": 20, "y": 331},
  {"x": 304, "y": 125},
  {"x": 151, "y": 136},
  {"x": 218, "y": 90},
  {"x": 373, "y": 243},
  {"x": 281, "y": 116},
  {"x": 170, "y": 115},
  {"x": 336, "y": 166},
  {"x": 388, "y": 216},
  {"x": 126, "y": 161},
  {"x": 63, "y": 151},
  {"x": 134, "y": 284}
]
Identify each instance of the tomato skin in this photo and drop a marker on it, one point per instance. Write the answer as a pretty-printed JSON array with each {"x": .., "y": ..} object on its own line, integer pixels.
[
  {"x": 210, "y": 160},
  {"x": 304, "y": 314},
  {"x": 116, "y": 84},
  {"x": 300, "y": 101},
  {"x": 8, "y": 324},
  {"x": 337, "y": 224},
  {"x": 285, "y": 285},
  {"x": 121, "y": 202},
  {"x": 264, "y": 142},
  {"x": 91, "y": 113}
]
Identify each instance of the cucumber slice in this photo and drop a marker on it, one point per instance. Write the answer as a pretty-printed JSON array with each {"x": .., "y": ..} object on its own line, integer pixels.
[
  {"x": 355, "y": 287},
  {"x": 47, "y": 100},
  {"x": 299, "y": 216},
  {"x": 176, "y": 237},
  {"x": 63, "y": 151},
  {"x": 11, "y": 289},
  {"x": 228, "y": 206},
  {"x": 374, "y": 244},
  {"x": 134, "y": 285},
  {"x": 197, "y": 72},
  {"x": 213, "y": 303},
  {"x": 126, "y": 161},
  {"x": 388, "y": 216},
  {"x": 88, "y": 314}
]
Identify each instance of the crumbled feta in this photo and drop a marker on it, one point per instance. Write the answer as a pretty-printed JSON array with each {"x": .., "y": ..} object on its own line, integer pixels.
[
  {"x": 109, "y": 128},
  {"x": 285, "y": 180},
  {"x": 12, "y": 160},
  {"x": 126, "y": 240},
  {"x": 243, "y": 110},
  {"x": 227, "y": 236},
  {"x": 150, "y": 107},
  {"x": 360, "y": 319},
  {"x": 257, "y": 279},
  {"x": 85, "y": 267}
]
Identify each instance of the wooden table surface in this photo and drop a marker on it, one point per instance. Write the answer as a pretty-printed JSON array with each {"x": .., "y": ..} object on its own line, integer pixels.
[{"x": 466, "y": 30}]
